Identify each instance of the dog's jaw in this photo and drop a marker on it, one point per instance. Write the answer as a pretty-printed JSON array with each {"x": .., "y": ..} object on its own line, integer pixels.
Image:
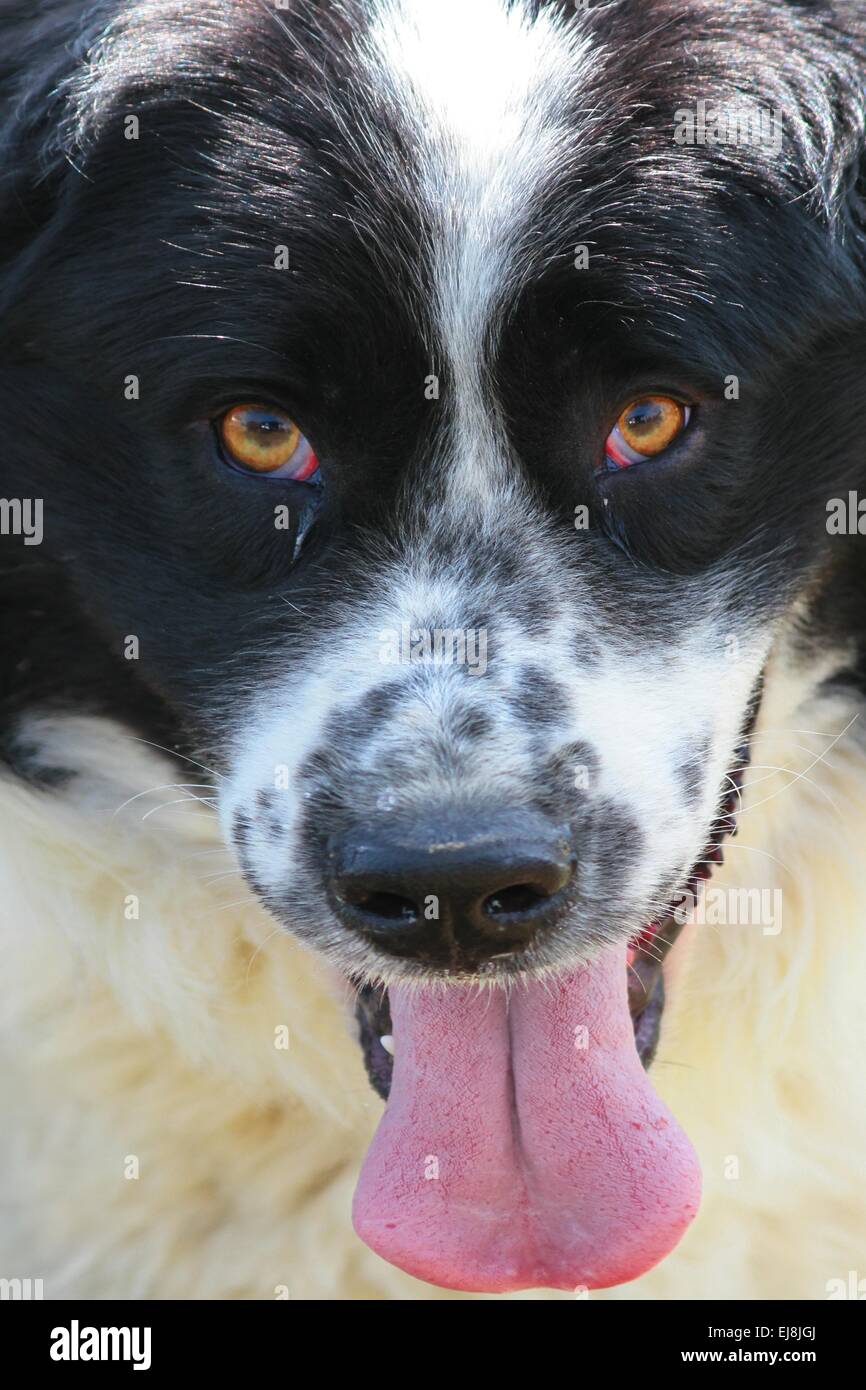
[{"x": 646, "y": 954}]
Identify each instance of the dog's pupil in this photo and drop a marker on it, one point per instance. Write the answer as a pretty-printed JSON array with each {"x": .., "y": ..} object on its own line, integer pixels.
[{"x": 645, "y": 417}]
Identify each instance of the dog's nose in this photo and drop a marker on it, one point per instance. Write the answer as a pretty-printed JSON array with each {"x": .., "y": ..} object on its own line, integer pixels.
[{"x": 453, "y": 890}]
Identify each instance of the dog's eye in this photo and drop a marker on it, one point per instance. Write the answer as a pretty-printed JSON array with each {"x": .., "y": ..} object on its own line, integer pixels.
[
  {"x": 262, "y": 439},
  {"x": 645, "y": 428}
]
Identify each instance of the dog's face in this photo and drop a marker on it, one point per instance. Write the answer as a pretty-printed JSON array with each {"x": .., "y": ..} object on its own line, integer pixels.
[{"x": 452, "y": 439}]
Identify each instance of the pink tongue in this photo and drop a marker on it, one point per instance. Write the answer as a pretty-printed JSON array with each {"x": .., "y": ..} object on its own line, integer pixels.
[{"x": 523, "y": 1146}]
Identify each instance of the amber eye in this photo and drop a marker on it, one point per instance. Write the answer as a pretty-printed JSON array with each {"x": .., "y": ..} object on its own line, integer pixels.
[
  {"x": 645, "y": 428},
  {"x": 262, "y": 439}
]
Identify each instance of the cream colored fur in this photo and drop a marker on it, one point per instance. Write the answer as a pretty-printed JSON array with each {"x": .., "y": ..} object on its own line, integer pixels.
[{"x": 154, "y": 1039}]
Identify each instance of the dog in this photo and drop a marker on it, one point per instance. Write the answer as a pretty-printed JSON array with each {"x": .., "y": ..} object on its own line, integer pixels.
[{"x": 433, "y": 648}]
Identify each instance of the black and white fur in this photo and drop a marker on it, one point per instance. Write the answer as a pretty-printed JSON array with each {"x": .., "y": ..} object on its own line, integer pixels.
[{"x": 431, "y": 169}]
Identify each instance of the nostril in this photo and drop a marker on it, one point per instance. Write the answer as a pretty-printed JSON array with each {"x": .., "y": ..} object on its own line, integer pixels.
[
  {"x": 519, "y": 897},
  {"x": 452, "y": 888},
  {"x": 386, "y": 907}
]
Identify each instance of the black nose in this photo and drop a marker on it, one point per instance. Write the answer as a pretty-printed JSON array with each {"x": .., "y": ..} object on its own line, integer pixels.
[{"x": 453, "y": 890}]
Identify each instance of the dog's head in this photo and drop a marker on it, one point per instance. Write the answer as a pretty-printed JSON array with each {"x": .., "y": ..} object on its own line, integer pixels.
[{"x": 444, "y": 400}]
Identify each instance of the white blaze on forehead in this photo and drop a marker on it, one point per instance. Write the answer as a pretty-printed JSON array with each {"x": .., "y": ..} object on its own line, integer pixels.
[{"x": 485, "y": 88}]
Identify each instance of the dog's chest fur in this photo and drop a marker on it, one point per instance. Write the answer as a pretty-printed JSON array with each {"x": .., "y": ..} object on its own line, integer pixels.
[{"x": 186, "y": 1106}]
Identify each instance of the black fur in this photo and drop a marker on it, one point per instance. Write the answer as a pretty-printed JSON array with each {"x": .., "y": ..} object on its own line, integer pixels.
[{"x": 155, "y": 257}]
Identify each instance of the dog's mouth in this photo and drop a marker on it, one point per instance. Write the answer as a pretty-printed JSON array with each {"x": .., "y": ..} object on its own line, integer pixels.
[{"x": 523, "y": 1145}]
